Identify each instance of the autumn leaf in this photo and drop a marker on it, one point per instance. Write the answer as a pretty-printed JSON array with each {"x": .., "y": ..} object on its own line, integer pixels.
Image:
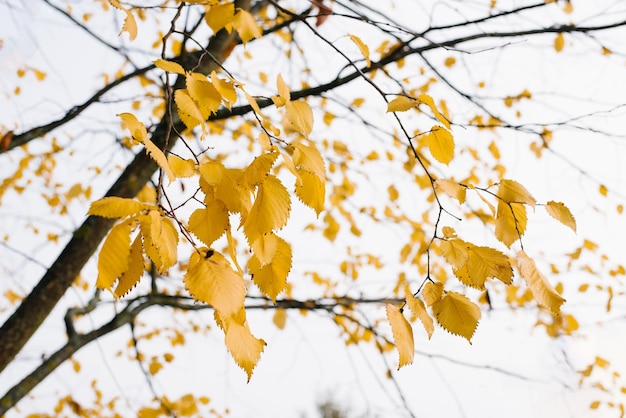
[
  {"x": 511, "y": 191},
  {"x": 169, "y": 66},
  {"x": 311, "y": 190},
  {"x": 362, "y": 47},
  {"x": 428, "y": 101},
  {"x": 245, "y": 348},
  {"x": 417, "y": 307},
  {"x": 219, "y": 15},
  {"x": 402, "y": 335},
  {"x": 455, "y": 252},
  {"x": 270, "y": 210},
  {"x": 542, "y": 290},
  {"x": 131, "y": 276},
  {"x": 441, "y": 144},
  {"x": 113, "y": 259},
  {"x": 452, "y": 189},
  {"x": 559, "y": 42},
  {"x": 210, "y": 222},
  {"x": 188, "y": 110},
  {"x": 271, "y": 278},
  {"x": 246, "y": 26},
  {"x": 116, "y": 207},
  {"x": 561, "y": 213},
  {"x": 457, "y": 314},
  {"x": 300, "y": 116},
  {"x": 511, "y": 221},
  {"x": 181, "y": 168},
  {"x": 130, "y": 25},
  {"x": 432, "y": 292},
  {"x": 401, "y": 104}
]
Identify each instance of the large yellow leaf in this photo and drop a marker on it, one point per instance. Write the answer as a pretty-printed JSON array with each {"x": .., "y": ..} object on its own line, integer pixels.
[
  {"x": 561, "y": 213},
  {"x": 307, "y": 157},
  {"x": 455, "y": 252},
  {"x": 116, "y": 207},
  {"x": 457, "y": 314},
  {"x": 484, "y": 263},
  {"x": 271, "y": 278},
  {"x": 219, "y": 16},
  {"x": 511, "y": 222},
  {"x": 188, "y": 110},
  {"x": 265, "y": 248},
  {"x": 362, "y": 47},
  {"x": 204, "y": 94},
  {"x": 135, "y": 269},
  {"x": 210, "y": 222},
  {"x": 401, "y": 104},
  {"x": 169, "y": 66},
  {"x": 114, "y": 256},
  {"x": 511, "y": 191},
  {"x": 417, "y": 307},
  {"x": 426, "y": 99},
  {"x": 157, "y": 155},
  {"x": 226, "y": 186},
  {"x": 181, "y": 168},
  {"x": 542, "y": 290},
  {"x": 452, "y": 189},
  {"x": 432, "y": 292},
  {"x": 300, "y": 116},
  {"x": 259, "y": 168},
  {"x": 160, "y": 239},
  {"x": 402, "y": 335},
  {"x": 245, "y": 348},
  {"x": 270, "y": 210},
  {"x": 311, "y": 190},
  {"x": 210, "y": 279},
  {"x": 441, "y": 144},
  {"x": 246, "y": 26},
  {"x": 226, "y": 88}
]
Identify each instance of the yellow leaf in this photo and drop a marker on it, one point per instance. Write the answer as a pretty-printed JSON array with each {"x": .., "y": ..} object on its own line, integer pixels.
[
  {"x": 511, "y": 191},
  {"x": 426, "y": 99},
  {"x": 188, "y": 110},
  {"x": 226, "y": 89},
  {"x": 311, "y": 190},
  {"x": 181, "y": 168},
  {"x": 157, "y": 155},
  {"x": 270, "y": 210},
  {"x": 401, "y": 104},
  {"x": 362, "y": 47},
  {"x": 265, "y": 248},
  {"x": 417, "y": 307},
  {"x": 137, "y": 129},
  {"x": 452, "y": 189},
  {"x": 204, "y": 94},
  {"x": 245, "y": 348},
  {"x": 542, "y": 290},
  {"x": 441, "y": 144},
  {"x": 219, "y": 16},
  {"x": 210, "y": 222},
  {"x": 116, "y": 207},
  {"x": 114, "y": 256},
  {"x": 246, "y": 26},
  {"x": 169, "y": 66},
  {"x": 260, "y": 167},
  {"x": 594, "y": 405},
  {"x": 280, "y": 318},
  {"x": 160, "y": 239},
  {"x": 283, "y": 91},
  {"x": 300, "y": 116},
  {"x": 133, "y": 273},
  {"x": 511, "y": 222},
  {"x": 307, "y": 157},
  {"x": 559, "y": 42},
  {"x": 210, "y": 279},
  {"x": 271, "y": 278},
  {"x": 561, "y": 213},
  {"x": 455, "y": 252},
  {"x": 603, "y": 190},
  {"x": 457, "y": 315},
  {"x": 432, "y": 292},
  {"x": 130, "y": 25},
  {"x": 402, "y": 335},
  {"x": 484, "y": 263}
]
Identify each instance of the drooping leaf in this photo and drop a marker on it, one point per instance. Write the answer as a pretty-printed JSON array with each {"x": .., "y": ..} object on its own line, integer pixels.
[
  {"x": 210, "y": 279},
  {"x": 511, "y": 191},
  {"x": 133, "y": 273},
  {"x": 511, "y": 221},
  {"x": 157, "y": 155},
  {"x": 441, "y": 144},
  {"x": 167, "y": 244},
  {"x": 114, "y": 256},
  {"x": 260, "y": 167},
  {"x": 210, "y": 222},
  {"x": 246, "y": 26},
  {"x": 188, "y": 109},
  {"x": 130, "y": 25},
  {"x": 226, "y": 88},
  {"x": 271, "y": 278},
  {"x": 402, "y": 335},
  {"x": 270, "y": 210},
  {"x": 482, "y": 264},
  {"x": 204, "y": 94},
  {"x": 300, "y": 116},
  {"x": 428, "y": 101},
  {"x": 245, "y": 348},
  {"x": 455, "y": 252},
  {"x": 280, "y": 318},
  {"x": 417, "y": 307},
  {"x": 542, "y": 290},
  {"x": 311, "y": 190},
  {"x": 284, "y": 94},
  {"x": 432, "y": 292},
  {"x": 307, "y": 157},
  {"x": 362, "y": 47},
  {"x": 181, "y": 168},
  {"x": 561, "y": 213},
  {"x": 559, "y": 42},
  {"x": 169, "y": 66},
  {"x": 219, "y": 16},
  {"x": 265, "y": 248},
  {"x": 401, "y": 104},
  {"x": 452, "y": 189},
  {"x": 457, "y": 314},
  {"x": 116, "y": 207},
  {"x": 137, "y": 129}
]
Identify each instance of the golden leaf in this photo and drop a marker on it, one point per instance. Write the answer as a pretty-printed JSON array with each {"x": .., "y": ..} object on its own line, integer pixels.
[
  {"x": 559, "y": 42},
  {"x": 542, "y": 290},
  {"x": 116, "y": 207},
  {"x": 114, "y": 256},
  {"x": 417, "y": 307},
  {"x": 265, "y": 248},
  {"x": 260, "y": 167},
  {"x": 561, "y": 213},
  {"x": 169, "y": 66},
  {"x": 270, "y": 210},
  {"x": 428, "y": 101},
  {"x": 307, "y": 157},
  {"x": 284, "y": 93},
  {"x": 226, "y": 89},
  {"x": 455, "y": 252},
  {"x": 210, "y": 279},
  {"x": 219, "y": 16},
  {"x": 245, "y": 348},
  {"x": 432, "y": 292},
  {"x": 271, "y": 278},
  {"x": 204, "y": 94},
  {"x": 188, "y": 110},
  {"x": 402, "y": 335},
  {"x": 210, "y": 222},
  {"x": 280, "y": 318},
  {"x": 452, "y": 189},
  {"x": 511, "y": 191},
  {"x": 300, "y": 116},
  {"x": 133, "y": 273},
  {"x": 246, "y": 26},
  {"x": 137, "y": 129},
  {"x": 362, "y": 47},
  {"x": 130, "y": 25},
  {"x": 401, "y": 104},
  {"x": 484, "y": 263},
  {"x": 441, "y": 144},
  {"x": 160, "y": 239},
  {"x": 181, "y": 168},
  {"x": 311, "y": 190},
  {"x": 511, "y": 222},
  {"x": 457, "y": 314},
  {"x": 157, "y": 155}
]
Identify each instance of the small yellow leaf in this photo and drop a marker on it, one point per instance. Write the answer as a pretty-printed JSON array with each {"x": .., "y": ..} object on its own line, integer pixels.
[
  {"x": 270, "y": 210},
  {"x": 457, "y": 314},
  {"x": 181, "y": 168},
  {"x": 594, "y": 405},
  {"x": 271, "y": 278},
  {"x": 452, "y": 189},
  {"x": 210, "y": 279},
  {"x": 283, "y": 90},
  {"x": 116, "y": 207},
  {"x": 455, "y": 252},
  {"x": 561, "y": 213},
  {"x": 169, "y": 66},
  {"x": 157, "y": 155},
  {"x": 603, "y": 190},
  {"x": 210, "y": 222},
  {"x": 402, "y": 335},
  {"x": 511, "y": 221},
  {"x": 246, "y": 26},
  {"x": 226, "y": 89},
  {"x": 307, "y": 157},
  {"x": 417, "y": 307},
  {"x": 219, "y": 16},
  {"x": 362, "y": 47},
  {"x": 441, "y": 144},
  {"x": 432, "y": 292},
  {"x": 311, "y": 190},
  {"x": 542, "y": 290},
  {"x": 401, "y": 104},
  {"x": 113, "y": 259},
  {"x": 559, "y": 42},
  {"x": 133, "y": 273},
  {"x": 426, "y": 99},
  {"x": 259, "y": 168},
  {"x": 511, "y": 191},
  {"x": 188, "y": 110},
  {"x": 300, "y": 116},
  {"x": 204, "y": 94},
  {"x": 137, "y": 129},
  {"x": 280, "y": 318},
  {"x": 130, "y": 25},
  {"x": 245, "y": 348}
]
